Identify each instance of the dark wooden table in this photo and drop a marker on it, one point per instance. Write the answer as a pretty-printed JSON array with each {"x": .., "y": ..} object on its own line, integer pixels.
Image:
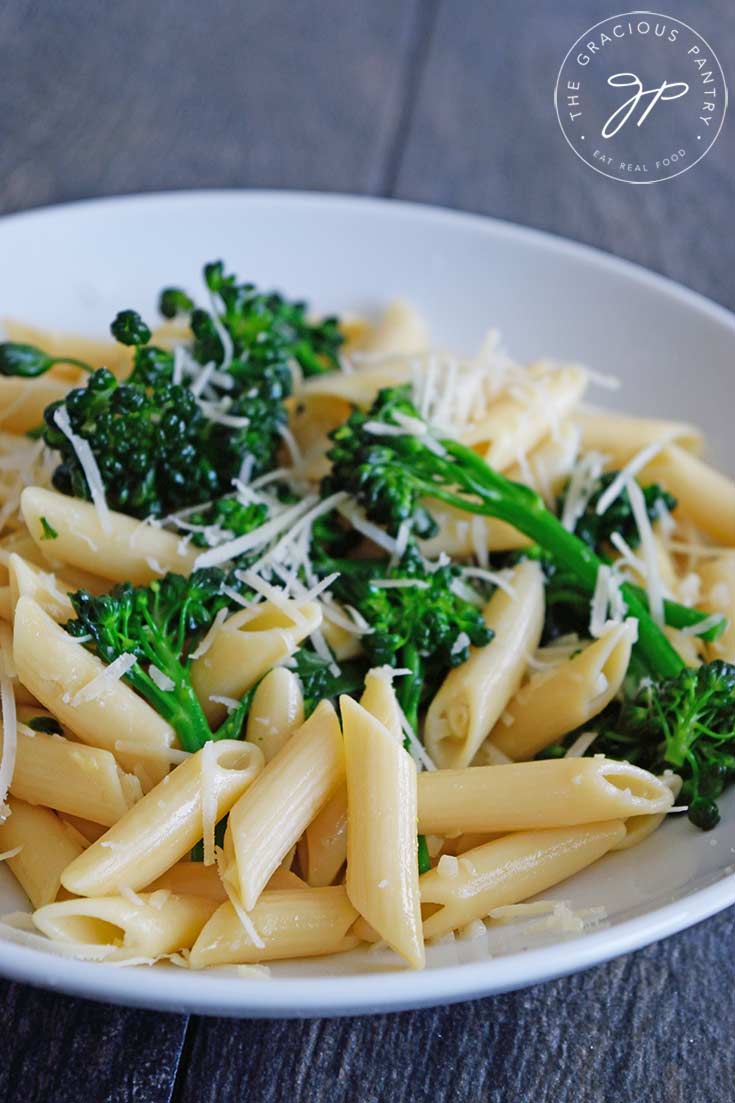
[{"x": 439, "y": 101}]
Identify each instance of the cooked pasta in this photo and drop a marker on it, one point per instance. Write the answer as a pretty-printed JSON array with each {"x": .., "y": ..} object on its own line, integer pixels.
[{"x": 338, "y": 638}]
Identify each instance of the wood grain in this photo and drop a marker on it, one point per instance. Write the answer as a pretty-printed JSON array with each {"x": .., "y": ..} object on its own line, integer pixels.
[
  {"x": 653, "y": 1027},
  {"x": 57, "y": 1050},
  {"x": 446, "y": 103},
  {"x": 137, "y": 96},
  {"x": 484, "y": 137}
]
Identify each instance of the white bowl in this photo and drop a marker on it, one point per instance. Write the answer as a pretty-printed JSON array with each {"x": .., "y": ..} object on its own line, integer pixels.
[{"x": 73, "y": 267}]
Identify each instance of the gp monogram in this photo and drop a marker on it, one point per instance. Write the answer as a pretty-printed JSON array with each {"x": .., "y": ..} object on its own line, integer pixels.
[{"x": 641, "y": 97}]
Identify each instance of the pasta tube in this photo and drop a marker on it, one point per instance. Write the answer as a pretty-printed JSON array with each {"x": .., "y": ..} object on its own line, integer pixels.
[
  {"x": 23, "y": 401},
  {"x": 277, "y": 710},
  {"x": 46, "y": 848},
  {"x": 243, "y": 650},
  {"x": 85, "y": 829},
  {"x": 510, "y": 870},
  {"x": 323, "y": 846},
  {"x": 55, "y": 668},
  {"x": 154, "y": 924},
  {"x": 459, "y": 534},
  {"x": 69, "y": 777},
  {"x": 550, "y": 464},
  {"x": 188, "y": 878},
  {"x": 555, "y": 793},
  {"x": 639, "y": 828},
  {"x": 718, "y": 596},
  {"x": 379, "y": 699},
  {"x": 554, "y": 702},
  {"x": 311, "y": 417},
  {"x": 357, "y": 388},
  {"x": 382, "y": 869},
  {"x": 162, "y": 827},
  {"x": 474, "y": 695},
  {"x": 290, "y": 923},
  {"x": 131, "y": 551},
  {"x": 515, "y": 425},
  {"x": 621, "y": 437},
  {"x": 26, "y": 579},
  {"x": 400, "y": 331},
  {"x": 293, "y": 788},
  {"x": 705, "y": 496}
]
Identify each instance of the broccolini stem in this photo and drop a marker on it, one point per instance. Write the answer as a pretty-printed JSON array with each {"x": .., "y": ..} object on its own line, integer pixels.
[
  {"x": 409, "y": 688},
  {"x": 525, "y": 510},
  {"x": 423, "y": 854},
  {"x": 180, "y": 707}
]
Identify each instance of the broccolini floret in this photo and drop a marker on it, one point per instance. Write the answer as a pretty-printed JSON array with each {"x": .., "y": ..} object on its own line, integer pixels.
[
  {"x": 595, "y": 529},
  {"x": 324, "y": 680},
  {"x": 392, "y": 475},
  {"x": 419, "y": 617},
  {"x": 28, "y": 361},
  {"x": 160, "y": 624},
  {"x": 685, "y": 723}
]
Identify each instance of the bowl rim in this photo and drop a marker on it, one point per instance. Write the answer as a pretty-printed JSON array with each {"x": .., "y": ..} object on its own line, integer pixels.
[{"x": 177, "y": 991}]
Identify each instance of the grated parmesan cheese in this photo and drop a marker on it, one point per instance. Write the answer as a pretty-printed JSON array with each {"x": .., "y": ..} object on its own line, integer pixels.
[
  {"x": 160, "y": 679},
  {"x": 654, "y": 582},
  {"x": 245, "y": 921},
  {"x": 581, "y": 744},
  {"x": 104, "y": 680},
  {"x": 209, "y": 638},
  {"x": 88, "y": 464}
]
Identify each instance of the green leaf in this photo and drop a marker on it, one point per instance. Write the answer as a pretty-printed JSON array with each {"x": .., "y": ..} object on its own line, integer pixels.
[{"x": 49, "y": 532}]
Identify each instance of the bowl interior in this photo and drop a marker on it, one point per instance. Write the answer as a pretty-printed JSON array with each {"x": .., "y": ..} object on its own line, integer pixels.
[{"x": 73, "y": 267}]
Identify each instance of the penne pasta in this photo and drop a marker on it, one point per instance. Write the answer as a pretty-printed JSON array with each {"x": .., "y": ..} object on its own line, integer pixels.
[
  {"x": 84, "y": 829},
  {"x": 291, "y": 923},
  {"x": 550, "y": 464},
  {"x": 510, "y": 870},
  {"x": 475, "y": 694},
  {"x": 322, "y": 849},
  {"x": 705, "y": 496},
  {"x": 718, "y": 596},
  {"x": 28, "y": 580},
  {"x": 382, "y": 868},
  {"x": 277, "y": 710},
  {"x": 516, "y": 423},
  {"x": 131, "y": 551},
  {"x": 379, "y": 699},
  {"x": 459, "y": 534},
  {"x": 44, "y": 848},
  {"x": 521, "y": 796},
  {"x": 639, "y": 828},
  {"x": 163, "y": 827},
  {"x": 292, "y": 789},
  {"x": 620, "y": 437},
  {"x": 242, "y": 651},
  {"x": 145, "y": 926},
  {"x": 554, "y": 702},
  {"x": 69, "y": 777},
  {"x": 400, "y": 331},
  {"x": 23, "y": 401},
  {"x": 54, "y": 667},
  {"x": 188, "y": 878}
]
